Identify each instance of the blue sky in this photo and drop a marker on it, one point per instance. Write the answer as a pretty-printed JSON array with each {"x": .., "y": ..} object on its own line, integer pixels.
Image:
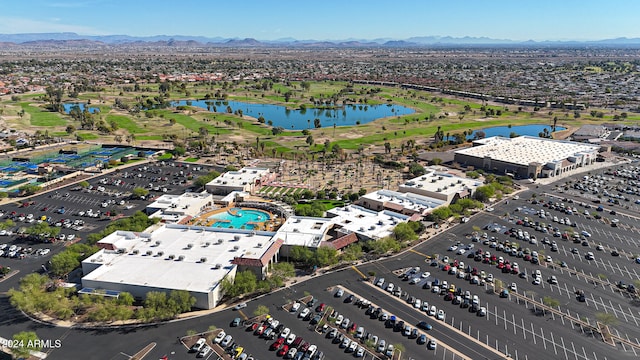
[{"x": 328, "y": 19}]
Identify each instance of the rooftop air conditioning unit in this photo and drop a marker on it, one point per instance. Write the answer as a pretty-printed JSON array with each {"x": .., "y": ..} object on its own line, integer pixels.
[
  {"x": 296, "y": 230},
  {"x": 217, "y": 266},
  {"x": 236, "y": 248},
  {"x": 171, "y": 257},
  {"x": 203, "y": 259},
  {"x": 160, "y": 253},
  {"x": 361, "y": 228},
  {"x": 459, "y": 181},
  {"x": 149, "y": 252},
  {"x": 189, "y": 246},
  {"x": 207, "y": 244},
  {"x": 236, "y": 237},
  {"x": 220, "y": 241},
  {"x": 181, "y": 257},
  {"x": 136, "y": 251},
  {"x": 438, "y": 190},
  {"x": 158, "y": 242},
  {"x": 259, "y": 244},
  {"x": 120, "y": 251}
]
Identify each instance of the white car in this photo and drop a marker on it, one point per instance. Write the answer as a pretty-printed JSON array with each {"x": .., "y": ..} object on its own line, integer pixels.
[
  {"x": 440, "y": 315},
  {"x": 295, "y": 307},
  {"x": 290, "y": 339},
  {"x": 453, "y": 248},
  {"x": 414, "y": 280},
  {"x": 425, "y": 275},
  {"x": 339, "y": 319},
  {"x": 285, "y": 333},
  {"x": 219, "y": 337},
  {"x": 513, "y": 287},
  {"x": 432, "y": 310},
  {"x": 304, "y": 313},
  {"x": 71, "y": 236}
]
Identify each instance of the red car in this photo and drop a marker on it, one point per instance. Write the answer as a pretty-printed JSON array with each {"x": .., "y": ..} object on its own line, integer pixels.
[
  {"x": 276, "y": 345},
  {"x": 321, "y": 307},
  {"x": 352, "y": 327},
  {"x": 260, "y": 330},
  {"x": 252, "y": 327},
  {"x": 446, "y": 267},
  {"x": 283, "y": 350}
]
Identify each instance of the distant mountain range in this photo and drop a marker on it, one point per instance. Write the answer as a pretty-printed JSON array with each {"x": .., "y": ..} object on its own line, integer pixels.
[{"x": 73, "y": 39}]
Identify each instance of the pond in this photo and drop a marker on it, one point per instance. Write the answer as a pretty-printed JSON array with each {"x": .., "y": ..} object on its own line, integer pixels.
[
  {"x": 299, "y": 119},
  {"x": 69, "y": 106},
  {"x": 505, "y": 131}
]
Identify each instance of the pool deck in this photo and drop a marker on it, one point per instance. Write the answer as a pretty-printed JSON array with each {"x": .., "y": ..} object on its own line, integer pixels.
[{"x": 205, "y": 219}]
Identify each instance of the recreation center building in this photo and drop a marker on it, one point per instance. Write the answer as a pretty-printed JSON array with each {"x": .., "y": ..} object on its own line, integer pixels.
[{"x": 527, "y": 156}]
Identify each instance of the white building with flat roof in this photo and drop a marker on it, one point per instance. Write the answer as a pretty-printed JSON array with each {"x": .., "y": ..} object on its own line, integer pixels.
[
  {"x": 527, "y": 156},
  {"x": 248, "y": 179},
  {"x": 173, "y": 208},
  {"x": 404, "y": 203},
  {"x": 178, "y": 257},
  {"x": 367, "y": 224},
  {"x": 441, "y": 185}
]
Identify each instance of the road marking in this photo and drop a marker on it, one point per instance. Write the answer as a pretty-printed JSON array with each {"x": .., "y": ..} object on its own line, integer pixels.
[
  {"x": 419, "y": 253},
  {"x": 359, "y": 272},
  {"x": 244, "y": 316}
]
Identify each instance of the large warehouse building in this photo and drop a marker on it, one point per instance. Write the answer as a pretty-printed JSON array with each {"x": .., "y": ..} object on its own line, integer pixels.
[
  {"x": 527, "y": 156},
  {"x": 178, "y": 257}
]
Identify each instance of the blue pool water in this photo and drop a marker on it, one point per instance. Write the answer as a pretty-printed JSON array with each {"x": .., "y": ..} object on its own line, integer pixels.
[{"x": 240, "y": 218}]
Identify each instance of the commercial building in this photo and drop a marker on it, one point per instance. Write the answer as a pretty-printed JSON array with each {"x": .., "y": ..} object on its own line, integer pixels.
[
  {"x": 403, "y": 203},
  {"x": 178, "y": 257},
  {"x": 441, "y": 185},
  {"x": 366, "y": 224},
  {"x": 173, "y": 208},
  {"x": 248, "y": 179},
  {"x": 526, "y": 156}
]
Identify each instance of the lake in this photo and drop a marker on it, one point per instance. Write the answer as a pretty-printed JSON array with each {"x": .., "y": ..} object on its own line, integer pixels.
[
  {"x": 505, "y": 131},
  {"x": 303, "y": 119},
  {"x": 69, "y": 106}
]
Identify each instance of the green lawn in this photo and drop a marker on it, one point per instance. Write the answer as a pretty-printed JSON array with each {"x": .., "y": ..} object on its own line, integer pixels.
[
  {"x": 149, "y": 137},
  {"x": 88, "y": 136},
  {"x": 191, "y": 159},
  {"x": 165, "y": 156},
  {"x": 126, "y": 123},
  {"x": 41, "y": 117}
]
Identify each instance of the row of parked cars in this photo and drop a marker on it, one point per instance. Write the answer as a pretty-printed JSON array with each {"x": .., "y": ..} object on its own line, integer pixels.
[
  {"x": 393, "y": 323},
  {"x": 287, "y": 344}
]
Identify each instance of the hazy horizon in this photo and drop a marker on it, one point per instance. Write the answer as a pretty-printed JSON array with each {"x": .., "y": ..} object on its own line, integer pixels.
[{"x": 541, "y": 20}]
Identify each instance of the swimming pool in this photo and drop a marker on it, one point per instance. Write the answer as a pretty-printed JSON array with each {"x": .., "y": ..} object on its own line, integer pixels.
[{"x": 240, "y": 218}]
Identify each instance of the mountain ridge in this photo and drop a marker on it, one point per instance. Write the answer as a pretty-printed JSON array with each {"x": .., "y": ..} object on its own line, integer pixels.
[{"x": 71, "y": 38}]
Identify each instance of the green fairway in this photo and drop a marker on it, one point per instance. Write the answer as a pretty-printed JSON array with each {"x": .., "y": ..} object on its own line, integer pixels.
[
  {"x": 126, "y": 123},
  {"x": 39, "y": 117}
]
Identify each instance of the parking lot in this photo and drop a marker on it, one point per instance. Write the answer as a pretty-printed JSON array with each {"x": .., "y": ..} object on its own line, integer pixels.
[{"x": 78, "y": 211}]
